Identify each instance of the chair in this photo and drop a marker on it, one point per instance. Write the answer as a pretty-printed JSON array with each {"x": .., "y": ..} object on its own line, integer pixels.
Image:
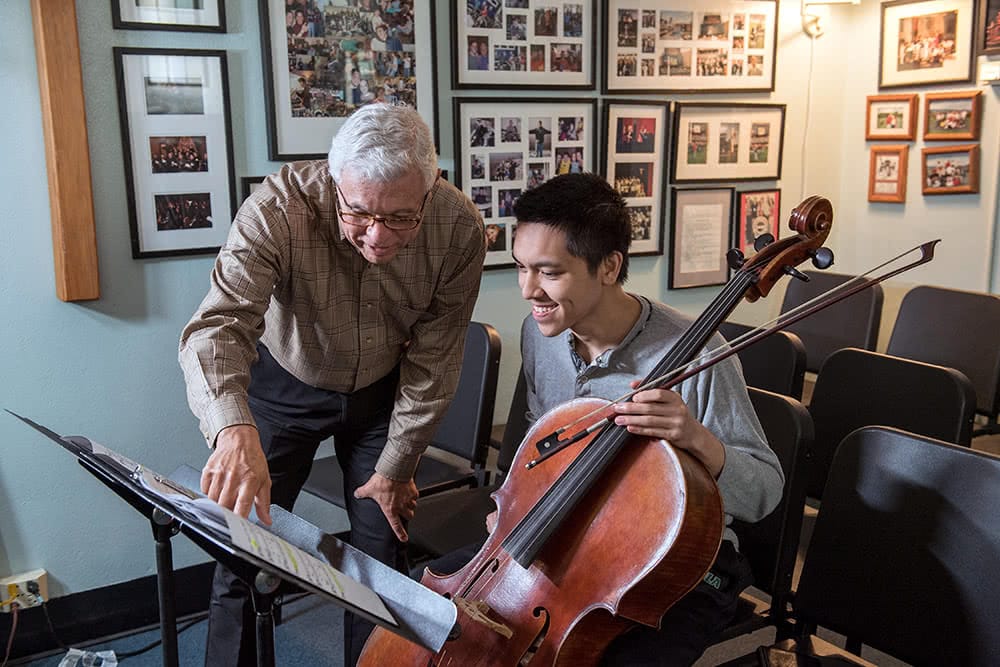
[
  {"x": 449, "y": 521},
  {"x": 771, "y": 544},
  {"x": 854, "y": 322},
  {"x": 464, "y": 431},
  {"x": 957, "y": 329},
  {"x": 903, "y": 554},
  {"x": 776, "y": 363},
  {"x": 858, "y": 388}
]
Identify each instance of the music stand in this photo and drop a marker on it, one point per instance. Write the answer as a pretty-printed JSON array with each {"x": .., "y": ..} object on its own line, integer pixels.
[{"x": 291, "y": 550}]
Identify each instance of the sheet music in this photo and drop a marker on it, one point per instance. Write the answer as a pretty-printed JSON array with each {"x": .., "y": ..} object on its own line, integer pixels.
[{"x": 276, "y": 551}]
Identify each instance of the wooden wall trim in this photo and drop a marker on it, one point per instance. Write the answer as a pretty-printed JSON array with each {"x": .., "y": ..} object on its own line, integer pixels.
[{"x": 64, "y": 124}]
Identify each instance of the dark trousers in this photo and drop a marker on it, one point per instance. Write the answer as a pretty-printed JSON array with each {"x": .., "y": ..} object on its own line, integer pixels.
[
  {"x": 293, "y": 418},
  {"x": 687, "y": 629}
]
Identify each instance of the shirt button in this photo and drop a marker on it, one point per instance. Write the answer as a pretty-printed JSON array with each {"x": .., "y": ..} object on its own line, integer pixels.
[
  {"x": 368, "y": 340},
  {"x": 368, "y": 305}
]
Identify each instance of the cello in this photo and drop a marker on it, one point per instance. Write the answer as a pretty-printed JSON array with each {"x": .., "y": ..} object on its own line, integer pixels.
[{"x": 612, "y": 530}]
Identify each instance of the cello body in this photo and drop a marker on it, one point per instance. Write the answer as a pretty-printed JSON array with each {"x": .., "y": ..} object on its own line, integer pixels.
[{"x": 643, "y": 536}]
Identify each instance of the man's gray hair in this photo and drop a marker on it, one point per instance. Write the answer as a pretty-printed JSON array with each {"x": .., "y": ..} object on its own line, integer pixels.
[{"x": 380, "y": 142}]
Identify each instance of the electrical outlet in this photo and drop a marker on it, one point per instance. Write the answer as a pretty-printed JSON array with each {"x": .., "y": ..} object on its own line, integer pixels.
[{"x": 28, "y": 589}]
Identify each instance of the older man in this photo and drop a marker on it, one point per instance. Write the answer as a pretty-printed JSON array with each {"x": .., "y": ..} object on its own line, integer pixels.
[{"x": 337, "y": 308}]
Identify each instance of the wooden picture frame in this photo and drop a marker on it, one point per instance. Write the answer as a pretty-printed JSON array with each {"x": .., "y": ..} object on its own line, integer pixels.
[
  {"x": 953, "y": 115},
  {"x": 891, "y": 117},
  {"x": 177, "y": 142},
  {"x": 727, "y": 142},
  {"x": 503, "y": 147},
  {"x": 887, "y": 174},
  {"x": 988, "y": 30},
  {"x": 703, "y": 46},
  {"x": 759, "y": 213},
  {"x": 528, "y": 44},
  {"x": 633, "y": 159},
  {"x": 176, "y": 15},
  {"x": 309, "y": 82},
  {"x": 950, "y": 170},
  {"x": 700, "y": 236},
  {"x": 908, "y": 57}
]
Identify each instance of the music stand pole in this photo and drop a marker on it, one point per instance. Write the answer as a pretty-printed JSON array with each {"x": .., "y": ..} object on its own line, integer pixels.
[{"x": 165, "y": 527}]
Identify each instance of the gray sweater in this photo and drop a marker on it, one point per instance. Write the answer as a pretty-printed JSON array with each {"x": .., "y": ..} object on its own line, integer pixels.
[{"x": 751, "y": 482}]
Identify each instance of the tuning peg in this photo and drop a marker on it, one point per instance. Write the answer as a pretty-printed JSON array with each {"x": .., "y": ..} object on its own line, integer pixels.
[
  {"x": 795, "y": 273},
  {"x": 735, "y": 258},
  {"x": 763, "y": 241},
  {"x": 822, "y": 258}
]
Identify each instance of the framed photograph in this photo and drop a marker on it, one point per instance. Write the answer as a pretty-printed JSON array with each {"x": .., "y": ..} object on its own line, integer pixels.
[
  {"x": 700, "y": 236},
  {"x": 319, "y": 66},
  {"x": 503, "y": 148},
  {"x": 759, "y": 213},
  {"x": 951, "y": 116},
  {"x": 248, "y": 184},
  {"x": 950, "y": 170},
  {"x": 887, "y": 174},
  {"x": 177, "y": 141},
  {"x": 892, "y": 117},
  {"x": 633, "y": 158},
  {"x": 715, "y": 142},
  {"x": 186, "y": 15},
  {"x": 988, "y": 37},
  {"x": 926, "y": 42},
  {"x": 704, "y": 46},
  {"x": 529, "y": 44}
]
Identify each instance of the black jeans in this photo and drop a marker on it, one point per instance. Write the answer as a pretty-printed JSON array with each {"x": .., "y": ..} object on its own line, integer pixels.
[
  {"x": 293, "y": 418},
  {"x": 687, "y": 629}
]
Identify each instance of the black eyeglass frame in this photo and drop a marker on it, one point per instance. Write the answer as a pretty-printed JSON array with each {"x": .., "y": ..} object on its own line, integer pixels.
[{"x": 391, "y": 222}]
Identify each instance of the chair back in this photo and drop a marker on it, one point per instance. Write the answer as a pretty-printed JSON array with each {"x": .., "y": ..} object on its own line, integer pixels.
[
  {"x": 957, "y": 329},
  {"x": 903, "y": 555},
  {"x": 854, "y": 322},
  {"x": 858, "y": 388},
  {"x": 776, "y": 363}
]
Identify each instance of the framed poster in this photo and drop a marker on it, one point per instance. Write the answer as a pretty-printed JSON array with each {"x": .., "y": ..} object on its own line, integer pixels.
[
  {"x": 700, "y": 236},
  {"x": 926, "y": 42},
  {"x": 891, "y": 117},
  {"x": 951, "y": 116},
  {"x": 633, "y": 158},
  {"x": 178, "y": 145},
  {"x": 186, "y": 15},
  {"x": 887, "y": 174},
  {"x": 248, "y": 184},
  {"x": 718, "y": 142},
  {"x": 758, "y": 214},
  {"x": 505, "y": 147},
  {"x": 988, "y": 32},
  {"x": 950, "y": 170},
  {"x": 704, "y": 46},
  {"x": 524, "y": 44},
  {"x": 321, "y": 65}
]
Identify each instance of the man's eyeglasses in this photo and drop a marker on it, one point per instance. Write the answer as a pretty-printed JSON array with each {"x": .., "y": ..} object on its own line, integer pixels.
[{"x": 399, "y": 223}]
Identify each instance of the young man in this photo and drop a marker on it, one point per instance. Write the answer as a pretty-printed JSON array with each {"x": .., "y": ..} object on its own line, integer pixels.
[
  {"x": 587, "y": 336},
  {"x": 338, "y": 307}
]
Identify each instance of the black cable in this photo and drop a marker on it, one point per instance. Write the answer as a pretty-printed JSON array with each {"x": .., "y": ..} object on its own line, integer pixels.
[
  {"x": 52, "y": 628},
  {"x": 152, "y": 645}
]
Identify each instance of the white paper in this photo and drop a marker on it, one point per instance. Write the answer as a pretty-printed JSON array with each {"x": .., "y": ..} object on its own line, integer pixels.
[{"x": 701, "y": 242}]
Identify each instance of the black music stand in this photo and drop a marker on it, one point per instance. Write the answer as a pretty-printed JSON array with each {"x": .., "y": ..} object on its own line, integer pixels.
[{"x": 290, "y": 550}]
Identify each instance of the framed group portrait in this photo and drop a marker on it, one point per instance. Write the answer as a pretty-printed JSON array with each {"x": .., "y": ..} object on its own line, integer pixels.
[
  {"x": 700, "y": 46},
  {"x": 887, "y": 174},
  {"x": 700, "y": 236},
  {"x": 716, "y": 142},
  {"x": 322, "y": 61},
  {"x": 758, "y": 213},
  {"x": 952, "y": 115},
  {"x": 926, "y": 42},
  {"x": 891, "y": 117},
  {"x": 523, "y": 43},
  {"x": 950, "y": 170},
  {"x": 988, "y": 33},
  {"x": 186, "y": 15},
  {"x": 633, "y": 158},
  {"x": 506, "y": 147},
  {"x": 178, "y": 147}
]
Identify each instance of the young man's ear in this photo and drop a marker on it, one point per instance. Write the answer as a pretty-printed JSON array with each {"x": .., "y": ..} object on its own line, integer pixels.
[{"x": 610, "y": 267}]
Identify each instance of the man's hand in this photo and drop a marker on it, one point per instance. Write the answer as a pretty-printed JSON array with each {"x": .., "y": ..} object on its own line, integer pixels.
[
  {"x": 236, "y": 474},
  {"x": 398, "y": 500},
  {"x": 662, "y": 414}
]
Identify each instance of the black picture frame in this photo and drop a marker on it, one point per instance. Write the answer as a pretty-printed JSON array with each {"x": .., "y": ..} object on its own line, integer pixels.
[
  {"x": 298, "y": 130},
  {"x": 692, "y": 266},
  {"x": 895, "y": 71},
  {"x": 510, "y": 162},
  {"x": 247, "y": 184},
  {"x": 182, "y": 199},
  {"x": 988, "y": 28},
  {"x": 131, "y": 15}
]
